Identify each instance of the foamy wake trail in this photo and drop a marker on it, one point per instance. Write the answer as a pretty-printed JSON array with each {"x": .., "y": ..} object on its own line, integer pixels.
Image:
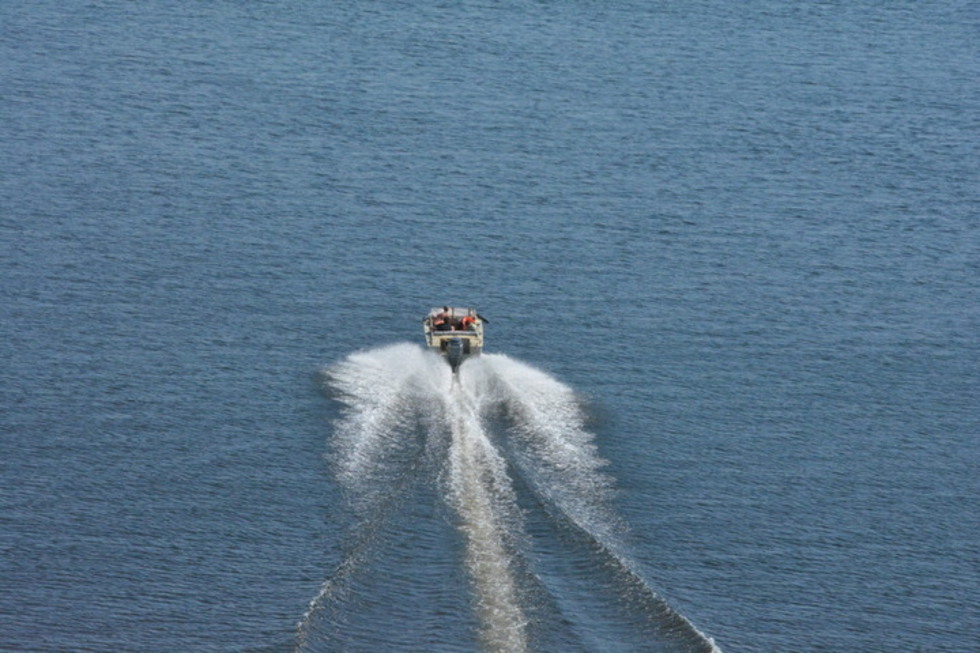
[
  {"x": 383, "y": 392},
  {"x": 562, "y": 463},
  {"x": 553, "y": 445},
  {"x": 398, "y": 400},
  {"x": 484, "y": 498}
]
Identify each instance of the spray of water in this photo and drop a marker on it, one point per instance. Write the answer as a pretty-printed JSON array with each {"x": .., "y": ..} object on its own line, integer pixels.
[
  {"x": 389, "y": 393},
  {"x": 482, "y": 495}
]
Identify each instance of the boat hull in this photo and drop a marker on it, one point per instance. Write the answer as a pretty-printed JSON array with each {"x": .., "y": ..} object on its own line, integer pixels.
[{"x": 455, "y": 333}]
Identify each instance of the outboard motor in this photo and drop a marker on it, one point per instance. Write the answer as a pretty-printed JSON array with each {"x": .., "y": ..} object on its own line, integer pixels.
[{"x": 454, "y": 352}]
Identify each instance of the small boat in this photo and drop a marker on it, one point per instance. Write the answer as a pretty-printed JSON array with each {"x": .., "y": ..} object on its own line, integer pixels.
[{"x": 454, "y": 332}]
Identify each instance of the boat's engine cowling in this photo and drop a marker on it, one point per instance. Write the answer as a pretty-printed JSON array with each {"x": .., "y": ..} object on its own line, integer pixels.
[{"x": 454, "y": 353}]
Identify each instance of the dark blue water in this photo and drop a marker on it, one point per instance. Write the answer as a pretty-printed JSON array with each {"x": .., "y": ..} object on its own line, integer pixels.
[{"x": 730, "y": 255}]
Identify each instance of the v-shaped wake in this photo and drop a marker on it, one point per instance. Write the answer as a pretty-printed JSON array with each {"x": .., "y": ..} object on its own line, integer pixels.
[{"x": 404, "y": 413}]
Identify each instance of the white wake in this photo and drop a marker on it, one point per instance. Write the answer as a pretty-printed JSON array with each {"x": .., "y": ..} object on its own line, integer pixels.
[{"x": 398, "y": 400}]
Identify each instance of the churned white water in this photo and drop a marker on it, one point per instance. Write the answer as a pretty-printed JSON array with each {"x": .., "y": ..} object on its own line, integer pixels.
[{"x": 497, "y": 418}]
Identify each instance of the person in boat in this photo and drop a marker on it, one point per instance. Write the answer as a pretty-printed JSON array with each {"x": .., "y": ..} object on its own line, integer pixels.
[
  {"x": 467, "y": 323},
  {"x": 442, "y": 321}
]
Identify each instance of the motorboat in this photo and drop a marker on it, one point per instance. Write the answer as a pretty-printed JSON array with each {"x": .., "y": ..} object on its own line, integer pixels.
[{"x": 454, "y": 332}]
